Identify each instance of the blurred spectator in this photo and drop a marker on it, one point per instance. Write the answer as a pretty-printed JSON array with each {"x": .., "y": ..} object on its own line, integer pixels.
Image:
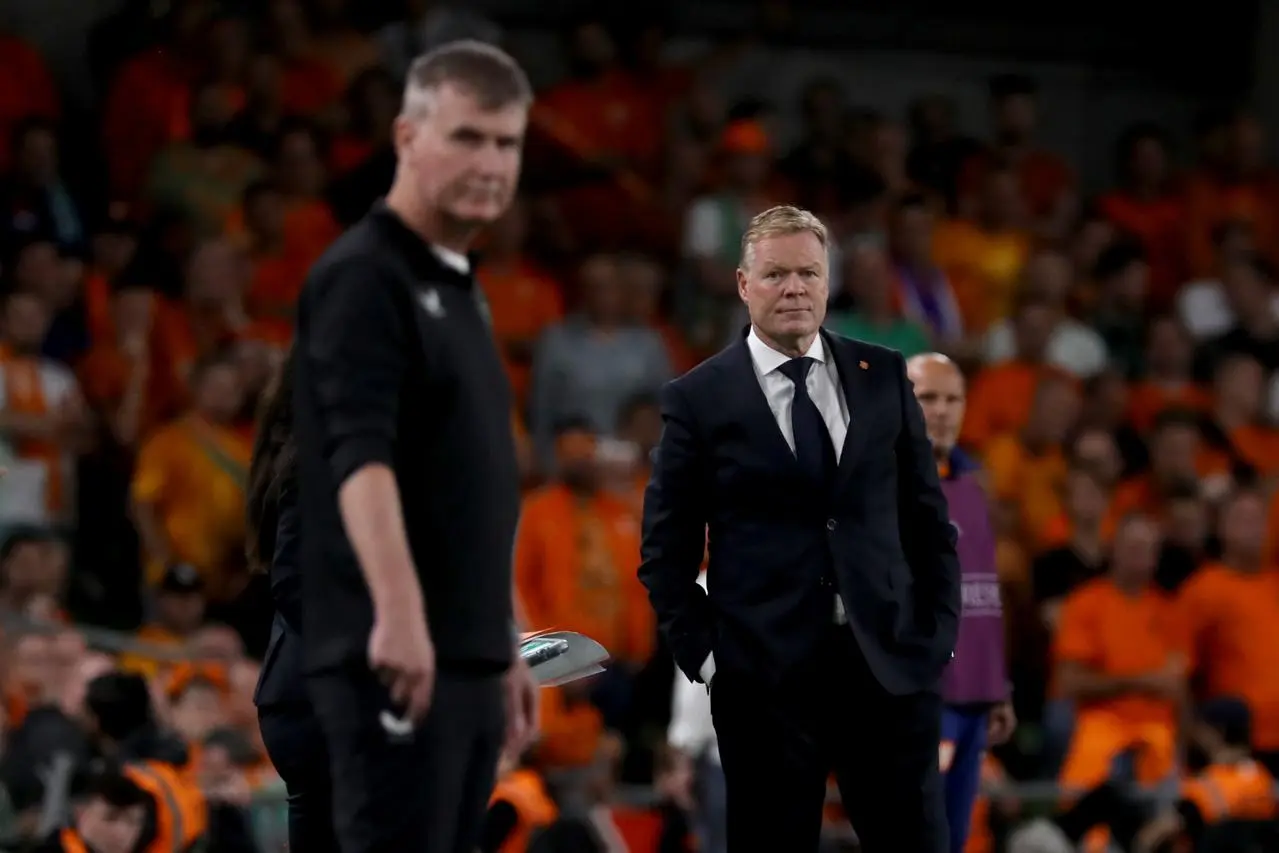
[
  {"x": 590, "y": 363},
  {"x": 1071, "y": 345},
  {"x": 425, "y": 25},
  {"x": 1203, "y": 304},
  {"x": 1167, "y": 381},
  {"x": 29, "y": 91},
  {"x": 875, "y": 318},
  {"x": 179, "y": 608},
  {"x": 35, "y": 200},
  {"x": 923, "y": 289},
  {"x": 1122, "y": 276}
]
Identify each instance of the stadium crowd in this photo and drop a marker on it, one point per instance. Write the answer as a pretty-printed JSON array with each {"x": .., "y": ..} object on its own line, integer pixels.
[{"x": 1122, "y": 350}]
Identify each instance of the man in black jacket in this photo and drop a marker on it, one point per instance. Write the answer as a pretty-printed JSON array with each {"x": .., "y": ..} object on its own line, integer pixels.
[{"x": 408, "y": 483}]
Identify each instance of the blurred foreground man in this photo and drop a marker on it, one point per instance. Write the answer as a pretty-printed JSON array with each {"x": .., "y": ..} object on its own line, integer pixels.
[
  {"x": 832, "y": 600},
  {"x": 978, "y": 712},
  {"x": 408, "y": 481}
]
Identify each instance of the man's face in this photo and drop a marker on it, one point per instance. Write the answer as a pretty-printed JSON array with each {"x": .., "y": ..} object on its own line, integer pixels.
[
  {"x": 939, "y": 388},
  {"x": 466, "y": 159},
  {"x": 220, "y": 393},
  {"x": 110, "y": 829},
  {"x": 784, "y": 284},
  {"x": 1136, "y": 550},
  {"x": 1243, "y": 526},
  {"x": 26, "y": 321}
]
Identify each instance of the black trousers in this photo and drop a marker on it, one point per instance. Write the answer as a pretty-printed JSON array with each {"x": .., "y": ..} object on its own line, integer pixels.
[
  {"x": 295, "y": 745},
  {"x": 779, "y": 743},
  {"x": 424, "y": 790}
]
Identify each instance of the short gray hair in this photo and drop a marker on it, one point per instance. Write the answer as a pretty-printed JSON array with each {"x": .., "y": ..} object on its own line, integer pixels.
[
  {"x": 780, "y": 221},
  {"x": 485, "y": 72}
]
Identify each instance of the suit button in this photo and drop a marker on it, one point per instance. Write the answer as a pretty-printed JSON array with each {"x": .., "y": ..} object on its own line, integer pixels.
[{"x": 830, "y": 524}]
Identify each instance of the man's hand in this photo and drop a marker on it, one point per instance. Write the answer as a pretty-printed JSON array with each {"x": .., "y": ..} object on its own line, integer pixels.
[
  {"x": 1001, "y": 724},
  {"x": 521, "y": 708},
  {"x": 403, "y": 656}
]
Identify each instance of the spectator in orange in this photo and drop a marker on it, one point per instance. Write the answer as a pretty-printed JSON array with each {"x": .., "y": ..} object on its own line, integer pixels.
[
  {"x": 127, "y": 376},
  {"x": 373, "y": 101},
  {"x": 1096, "y": 449},
  {"x": 197, "y": 708},
  {"x": 46, "y": 418},
  {"x": 277, "y": 272},
  {"x": 202, "y": 178},
  {"x": 1002, "y": 394},
  {"x": 214, "y": 314},
  {"x": 1147, "y": 207},
  {"x": 114, "y": 249},
  {"x": 339, "y": 45},
  {"x": 1027, "y": 468},
  {"x": 524, "y": 299},
  {"x": 1241, "y": 187},
  {"x": 1229, "y": 611},
  {"x": 1118, "y": 658},
  {"x": 576, "y": 554},
  {"x": 1178, "y": 459},
  {"x": 983, "y": 256},
  {"x": 27, "y": 91},
  {"x": 298, "y": 169},
  {"x": 188, "y": 486},
  {"x": 1239, "y": 390},
  {"x": 149, "y": 102},
  {"x": 1167, "y": 382},
  {"x": 309, "y": 86},
  {"x": 520, "y": 806},
  {"x": 1044, "y": 179},
  {"x": 178, "y": 614}
]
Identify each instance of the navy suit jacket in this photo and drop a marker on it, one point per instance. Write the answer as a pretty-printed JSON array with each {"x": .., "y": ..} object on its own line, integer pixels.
[{"x": 724, "y": 469}]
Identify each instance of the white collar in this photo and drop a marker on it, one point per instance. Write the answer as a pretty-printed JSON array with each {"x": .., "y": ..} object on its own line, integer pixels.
[
  {"x": 768, "y": 359},
  {"x": 455, "y": 261}
]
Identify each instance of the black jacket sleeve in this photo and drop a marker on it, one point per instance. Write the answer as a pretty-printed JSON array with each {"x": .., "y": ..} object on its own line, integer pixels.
[
  {"x": 286, "y": 580},
  {"x": 353, "y": 341},
  {"x": 674, "y": 536},
  {"x": 928, "y": 537}
]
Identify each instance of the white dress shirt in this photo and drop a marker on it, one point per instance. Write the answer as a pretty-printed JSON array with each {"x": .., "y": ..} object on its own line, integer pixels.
[{"x": 826, "y": 392}]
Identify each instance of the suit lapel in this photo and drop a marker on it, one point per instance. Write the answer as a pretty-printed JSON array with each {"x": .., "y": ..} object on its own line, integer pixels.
[
  {"x": 853, "y": 378},
  {"x": 756, "y": 413}
]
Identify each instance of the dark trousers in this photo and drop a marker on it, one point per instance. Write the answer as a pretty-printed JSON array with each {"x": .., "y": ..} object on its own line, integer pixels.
[
  {"x": 424, "y": 790},
  {"x": 779, "y": 742},
  {"x": 295, "y": 745}
]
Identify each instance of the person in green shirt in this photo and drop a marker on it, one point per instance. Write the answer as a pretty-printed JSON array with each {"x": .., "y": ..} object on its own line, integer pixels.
[{"x": 874, "y": 318}]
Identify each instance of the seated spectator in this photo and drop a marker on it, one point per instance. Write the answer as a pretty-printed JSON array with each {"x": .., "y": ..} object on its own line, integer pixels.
[
  {"x": 1118, "y": 658},
  {"x": 874, "y": 317},
  {"x": 1167, "y": 381}
]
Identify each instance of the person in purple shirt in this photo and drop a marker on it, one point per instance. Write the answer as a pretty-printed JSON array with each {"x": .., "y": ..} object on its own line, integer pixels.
[{"x": 978, "y": 711}]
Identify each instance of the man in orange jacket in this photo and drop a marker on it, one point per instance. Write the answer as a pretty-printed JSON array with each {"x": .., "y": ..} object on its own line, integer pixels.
[{"x": 112, "y": 818}]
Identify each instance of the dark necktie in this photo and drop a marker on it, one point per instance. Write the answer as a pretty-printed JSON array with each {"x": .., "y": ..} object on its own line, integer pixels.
[{"x": 814, "y": 449}]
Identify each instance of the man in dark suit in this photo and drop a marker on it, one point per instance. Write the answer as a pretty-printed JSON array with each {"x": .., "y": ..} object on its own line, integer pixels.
[{"x": 833, "y": 585}]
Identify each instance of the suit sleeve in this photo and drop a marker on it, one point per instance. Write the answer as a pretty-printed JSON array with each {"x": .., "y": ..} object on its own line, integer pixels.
[
  {"x": 353, "y": 343},
  {"x": 928, "y": 537},
  {"x": 674, "y": 536}
]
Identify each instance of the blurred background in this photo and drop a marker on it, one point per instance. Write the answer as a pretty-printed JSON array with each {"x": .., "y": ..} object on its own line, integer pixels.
[{"x": 1076, "y": 201}]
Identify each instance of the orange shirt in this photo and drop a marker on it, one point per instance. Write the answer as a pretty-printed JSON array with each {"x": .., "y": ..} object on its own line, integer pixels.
[
  {"x": 1211, "y": 202},
  {"x": 570, "y": 732},
  {"x": 983, "y": 269},
  {"x": 1158, "y": 224},
  {"x": 526, "y": 792},
  {"x": 1147, "y": 400},
  {"x": 1031, "y": 482},
  {"x": 1242, "y": 791},
  {"x": 523, "y": 300},
  {"x": 1230, "y": 621},
  {"x": 1000, "y": 401},
  {"x": 1116, "y": 634},
  {"x": 575, "y": 568},
  {"x": 193, "y": 474},
  {"x": 1257, "y": 445}
]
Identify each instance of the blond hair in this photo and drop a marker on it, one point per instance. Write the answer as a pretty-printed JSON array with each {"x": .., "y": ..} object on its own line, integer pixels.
[{"x": 780, "y": 221}]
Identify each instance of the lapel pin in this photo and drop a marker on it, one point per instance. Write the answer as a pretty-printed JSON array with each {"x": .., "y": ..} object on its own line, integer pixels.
[{"x": 863, "y": 365}]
